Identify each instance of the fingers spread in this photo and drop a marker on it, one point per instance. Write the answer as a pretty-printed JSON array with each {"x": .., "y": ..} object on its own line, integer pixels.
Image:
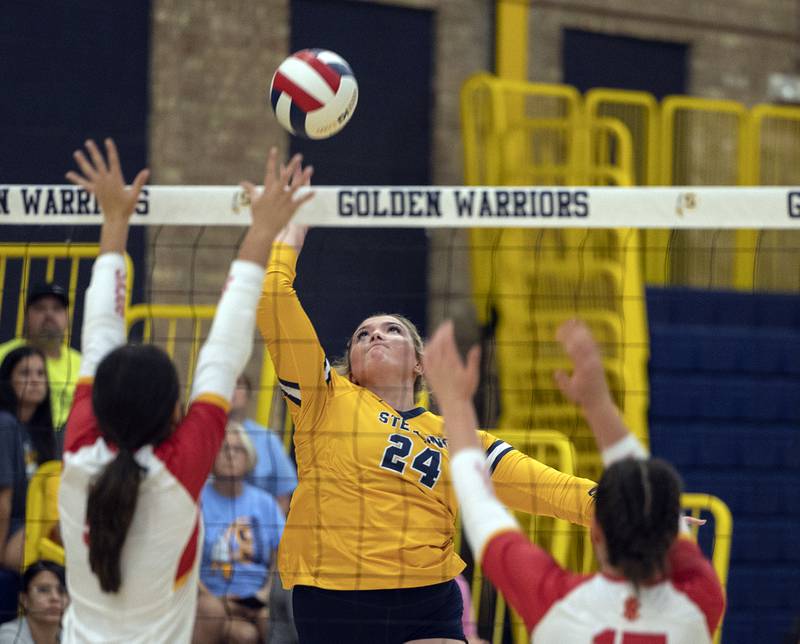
[
  {"x": 83, "y": 163},
  {"x": 78, "y": 180},
  {"x": 140, "y": 180},
  {"x": 97, "y": 158},
  {"x": 269, "y": 175},
  {"x": 113, "y": 157}
]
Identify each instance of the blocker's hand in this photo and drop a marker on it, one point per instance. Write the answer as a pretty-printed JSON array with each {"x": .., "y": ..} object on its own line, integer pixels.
[
  {"x": 106, "y": 182},
  {"x": 451, "y": 378},
  {"x": 273, "y": 207},
  {"x": 586, "y": 386}
]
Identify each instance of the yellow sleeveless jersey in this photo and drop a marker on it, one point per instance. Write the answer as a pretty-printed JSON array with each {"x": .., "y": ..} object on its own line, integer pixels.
[{"x": 374, "y": 507}]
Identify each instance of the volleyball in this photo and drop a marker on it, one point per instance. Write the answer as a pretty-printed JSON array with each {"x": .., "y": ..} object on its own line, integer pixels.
[{"x": 314, "y": 93}]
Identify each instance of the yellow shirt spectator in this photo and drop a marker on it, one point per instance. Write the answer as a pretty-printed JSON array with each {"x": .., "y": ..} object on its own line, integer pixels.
[{"x": 46, "y": 320}]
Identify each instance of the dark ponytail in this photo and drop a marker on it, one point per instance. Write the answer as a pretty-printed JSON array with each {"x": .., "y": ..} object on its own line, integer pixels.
[
  {"x": 134, "y": 395},
  {"x": 637, "y": 507}
]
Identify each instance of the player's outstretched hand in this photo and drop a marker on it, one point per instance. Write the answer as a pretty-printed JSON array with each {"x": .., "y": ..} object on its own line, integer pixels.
[
  {"x": 105, "y": 181},
  {"x": 453, "y": 382},
  {"x": 451, "y": 378},
  {"x": 586, "y": 386},
  {"x": 273, "y": 207}
]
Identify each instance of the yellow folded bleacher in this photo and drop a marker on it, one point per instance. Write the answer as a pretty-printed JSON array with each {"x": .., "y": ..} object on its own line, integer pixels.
[{"x": 41, "y": 515}]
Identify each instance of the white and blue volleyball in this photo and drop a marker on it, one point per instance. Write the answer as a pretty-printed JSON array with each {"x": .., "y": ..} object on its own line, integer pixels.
[{"x": 314, "y": 93}]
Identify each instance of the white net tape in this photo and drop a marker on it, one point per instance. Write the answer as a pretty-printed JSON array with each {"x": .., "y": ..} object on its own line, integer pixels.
[{"x": 433, "y": 207}]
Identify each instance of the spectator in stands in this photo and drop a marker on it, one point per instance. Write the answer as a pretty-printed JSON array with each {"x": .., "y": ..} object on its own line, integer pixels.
[
  {"x": 274, "y": 471},
  {"x": 43, "y": 599},
  {"x": 46, "y": 322},
  {"x": 243, "y": 526},
  {"x": 26, "y": 441},
  {"x": 651, "y": 585}
]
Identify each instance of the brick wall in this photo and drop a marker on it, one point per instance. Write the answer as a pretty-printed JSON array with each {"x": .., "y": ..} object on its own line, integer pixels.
[{"x": 734, "y": 44}]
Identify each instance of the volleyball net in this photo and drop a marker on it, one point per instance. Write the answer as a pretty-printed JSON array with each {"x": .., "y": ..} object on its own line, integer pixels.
[{"x": 690, "y": 291}]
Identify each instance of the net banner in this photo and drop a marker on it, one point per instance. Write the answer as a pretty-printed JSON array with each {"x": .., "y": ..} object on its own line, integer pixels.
[{"x": 432, "y": 207}]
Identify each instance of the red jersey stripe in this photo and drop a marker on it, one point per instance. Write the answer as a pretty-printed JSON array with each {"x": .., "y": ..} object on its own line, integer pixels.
[
  {"x": 328, "y": 74},
  {"x": 304, "y": 101},
  {"x": 189, "y": 556}
]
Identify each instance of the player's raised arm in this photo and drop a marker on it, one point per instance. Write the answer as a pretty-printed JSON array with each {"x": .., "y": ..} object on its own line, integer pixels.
[
  {"x": 104, "y": 318},
  {"x": 300, "y": 362},
  {"x": 227, "y": 349},
  {"x": 586, "y": 386},
  {"x": 454, "y": 382}
]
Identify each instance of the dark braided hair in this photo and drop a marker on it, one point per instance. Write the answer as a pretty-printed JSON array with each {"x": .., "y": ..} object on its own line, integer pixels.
[{"x": 637, "y": 506}]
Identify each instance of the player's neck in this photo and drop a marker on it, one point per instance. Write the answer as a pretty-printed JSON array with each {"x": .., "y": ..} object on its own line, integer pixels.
[
  {"x": 398, "y": 398},
  {"x": 228, "y": 486}
]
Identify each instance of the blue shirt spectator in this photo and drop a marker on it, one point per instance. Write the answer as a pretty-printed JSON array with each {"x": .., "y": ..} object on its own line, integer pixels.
[
  {"x": 274, "y": 471},
  {"x": 241, "y": 534}
]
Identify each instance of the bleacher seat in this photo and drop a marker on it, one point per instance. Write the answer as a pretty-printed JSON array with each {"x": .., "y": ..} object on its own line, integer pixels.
[
  {"x": 756, "y": 626},
  {"x": 678, "y": 305},
  {"x": 758, "y": 586},
  {"x": 702, "y": 443},
  {"x": 724, "y": 397},
  {"x": 766, "y": 539},
  {"x": 737, "y": 349},
  {"x": 761, "y": 492}
]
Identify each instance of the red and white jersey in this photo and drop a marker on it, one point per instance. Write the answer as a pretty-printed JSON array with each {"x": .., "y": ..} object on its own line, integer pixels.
[
  {"x": 561, "y": 606},
  {"x": 157, "y": 599},
  {"x": 158, "y": 596}
]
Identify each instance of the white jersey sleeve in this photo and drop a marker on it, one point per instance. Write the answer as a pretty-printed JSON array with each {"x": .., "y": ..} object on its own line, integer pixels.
[
  {"x": 227, "y": 349},
  {"x": 104, "y": 315}
]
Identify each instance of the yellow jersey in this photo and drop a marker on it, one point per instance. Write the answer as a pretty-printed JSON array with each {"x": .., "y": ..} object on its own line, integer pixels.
[{"x": 374, "y": 507}]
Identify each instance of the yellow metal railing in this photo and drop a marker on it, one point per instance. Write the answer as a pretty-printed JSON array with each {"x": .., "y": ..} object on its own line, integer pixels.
[
  {"x": 638, "y": 112},
  {"x": 695, "y": 130},
  {"x": 518, "y": 133},
  {"x": 181, "y": 330},
  {"x": 35, "y": 256}
]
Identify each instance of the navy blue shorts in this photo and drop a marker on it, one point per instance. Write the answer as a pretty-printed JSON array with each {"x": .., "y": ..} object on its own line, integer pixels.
[{"x": 378, "y": 616}]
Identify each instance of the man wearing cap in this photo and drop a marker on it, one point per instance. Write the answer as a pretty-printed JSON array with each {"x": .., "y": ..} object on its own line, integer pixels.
[{"x": 46, "y": 320}]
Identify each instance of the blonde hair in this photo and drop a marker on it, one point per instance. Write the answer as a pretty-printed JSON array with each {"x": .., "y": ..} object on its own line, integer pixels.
[
  {"x": 238, "y": 429},
  {"x": 344, "y": 368}
]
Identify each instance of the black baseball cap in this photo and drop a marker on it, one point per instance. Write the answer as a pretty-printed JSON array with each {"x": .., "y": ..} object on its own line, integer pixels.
[{"x": 47, "y": 289}]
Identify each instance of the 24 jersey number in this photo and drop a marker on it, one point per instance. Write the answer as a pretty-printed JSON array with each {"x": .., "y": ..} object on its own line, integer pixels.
[{"x": 428, "y": 462}]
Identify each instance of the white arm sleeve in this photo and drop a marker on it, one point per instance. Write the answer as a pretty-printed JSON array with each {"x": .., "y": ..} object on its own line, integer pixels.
[
  {"x": 227, "y": 349},
  {"x": 624, "y": 448},
  {"x": 482, "y": 515},
  {"x": 104, "y": 314}
]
